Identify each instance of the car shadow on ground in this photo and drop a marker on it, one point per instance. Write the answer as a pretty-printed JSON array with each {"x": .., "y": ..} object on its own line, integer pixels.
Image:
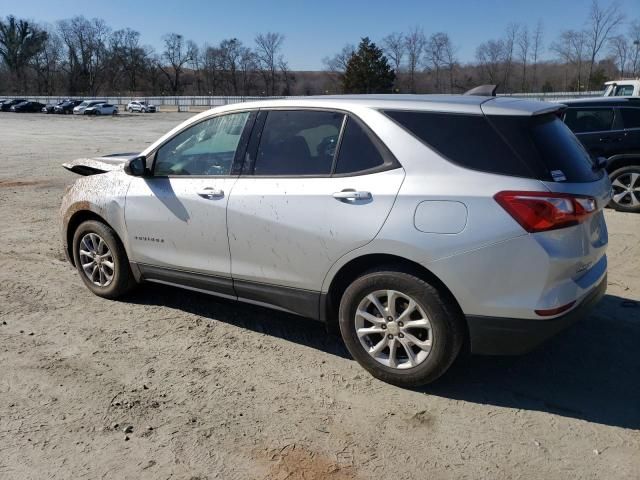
[
  {"x": 590, "y": 372},
  {"x": 275, "y": 323}
]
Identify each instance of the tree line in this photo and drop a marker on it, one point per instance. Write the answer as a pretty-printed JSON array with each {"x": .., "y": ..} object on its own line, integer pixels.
[{"x": 80, "y": 56}]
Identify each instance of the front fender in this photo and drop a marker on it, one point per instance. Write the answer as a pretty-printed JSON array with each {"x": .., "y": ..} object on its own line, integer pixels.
[{"x": 101, "y": 195}]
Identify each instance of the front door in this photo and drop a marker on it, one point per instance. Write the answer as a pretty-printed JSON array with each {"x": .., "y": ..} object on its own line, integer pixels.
[{"x": 176, "y": 219}]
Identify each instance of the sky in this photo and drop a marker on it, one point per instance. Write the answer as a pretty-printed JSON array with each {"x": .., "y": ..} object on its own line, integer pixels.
[{"x": 314, "y": 30}]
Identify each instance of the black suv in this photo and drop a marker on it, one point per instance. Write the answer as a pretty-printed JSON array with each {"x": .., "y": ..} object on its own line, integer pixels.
[{"x": 610, "y": 128}]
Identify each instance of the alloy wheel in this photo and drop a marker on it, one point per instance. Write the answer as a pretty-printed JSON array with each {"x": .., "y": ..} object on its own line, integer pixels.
[
  {"x": 626, "y": 189},
  {"x": 394, "y": 329},
  {"x": 96, "y": 260}
]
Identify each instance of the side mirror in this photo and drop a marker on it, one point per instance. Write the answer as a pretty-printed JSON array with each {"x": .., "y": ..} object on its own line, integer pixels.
[{"x": 136, "y": 167}]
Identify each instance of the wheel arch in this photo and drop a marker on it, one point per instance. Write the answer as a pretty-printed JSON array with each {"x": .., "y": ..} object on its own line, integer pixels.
[
  {"x": 72, "y": 225},
  {"x": 620, "y": 161},
  {"x": 330, "y": 301}
]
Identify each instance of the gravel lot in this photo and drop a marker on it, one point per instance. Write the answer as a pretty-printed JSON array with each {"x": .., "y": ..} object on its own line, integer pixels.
[{"x": 213, "y": 389}]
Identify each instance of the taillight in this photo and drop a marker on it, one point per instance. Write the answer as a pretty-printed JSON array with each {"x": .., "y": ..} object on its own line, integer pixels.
[{"x": 542, "y": 211}]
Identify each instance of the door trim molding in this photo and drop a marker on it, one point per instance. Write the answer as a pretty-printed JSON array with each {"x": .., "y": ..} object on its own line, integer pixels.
[{"x": 305, "y": 303}]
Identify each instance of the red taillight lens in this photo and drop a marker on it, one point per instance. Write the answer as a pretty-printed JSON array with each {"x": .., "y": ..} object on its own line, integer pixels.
[{"x": 542, "y": 211}]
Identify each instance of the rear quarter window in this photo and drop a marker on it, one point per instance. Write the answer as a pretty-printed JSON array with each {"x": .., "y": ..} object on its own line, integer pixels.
[
  {"x": 630, "y": 117},
  {"x": 540, "y": 147},
  {"x": 467, "y": 140}
]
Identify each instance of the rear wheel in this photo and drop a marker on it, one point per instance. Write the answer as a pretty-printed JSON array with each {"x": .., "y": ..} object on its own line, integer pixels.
[
  {"x": 101, "y": 260},
  {"x": 400, "y": 328},
  {"x": 626, "y": 189}
]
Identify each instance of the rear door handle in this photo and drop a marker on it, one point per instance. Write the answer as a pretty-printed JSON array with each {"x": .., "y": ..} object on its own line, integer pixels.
[
  {"x": 352, "y": 195},
  {"x": 211, "y": 193}
]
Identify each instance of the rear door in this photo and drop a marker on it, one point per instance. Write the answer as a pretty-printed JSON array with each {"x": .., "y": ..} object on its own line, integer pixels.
[
  {"x": 597, "y": 128},
  {"x": 631, "y": 120},
  {"x": 315, "y": 185}
]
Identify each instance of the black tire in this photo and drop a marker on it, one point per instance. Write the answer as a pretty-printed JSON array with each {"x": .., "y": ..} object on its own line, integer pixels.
[
  {"x": 123, "y": 280},
  {"x": 623, "y": 175},
  {"x": 444, "y": 315}
]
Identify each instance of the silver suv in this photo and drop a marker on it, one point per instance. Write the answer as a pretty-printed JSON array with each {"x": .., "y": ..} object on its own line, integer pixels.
[
  {"x": 420, "y": 225},
  {"x": 140, "y": 106}
]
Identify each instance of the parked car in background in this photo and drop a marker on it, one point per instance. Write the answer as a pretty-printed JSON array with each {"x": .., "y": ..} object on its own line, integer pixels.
[
  {"x": 79, "y": 110},
  {"x": 27, "y": 107},
  {"x": 622, "y": 88},
  {"x": 417, "y": 224},
  {"x": 50, "y": 108},
  {"x": 141, "y": 106},
  {"x": 101, "y": 109},
  {"x": 7, "y": 104},
  {"x": 67, "y": 106},
  {"x": 610, "y": 128}
]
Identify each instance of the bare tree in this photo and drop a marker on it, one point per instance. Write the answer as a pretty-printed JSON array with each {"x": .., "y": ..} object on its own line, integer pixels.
[
  {"x": 509, "y": 46},
  {"x": 130, "y": 55},
  {"x": 268, "y": 47},
  {"x": 248, "y": 65},
  {"x": 451, "y": 61},
  {"x": 536, "y": 50},
  {"x": 601, "y": 25},
  {"x": 337, "y": 65},
  {"x": 634, "y": 34},
  {"x": 287, "y": 77},
  {"x": 394, "y": 47},
  {"x": 489, "y": 56},
  {"x": 87, "y": 53},
  {"x": 619, "y": 47},
  {"x": 177, "y": 53},
  {"x": 435, "y": 55},
  {"x": 571, "y": 47},
  {"x": 46, "y": 63},
  {"x": 211, "y": 68},
  {"x": 524, "y": 44},
  {"x": 415, "y": 43},
  {"x": 196, "y": 65}
]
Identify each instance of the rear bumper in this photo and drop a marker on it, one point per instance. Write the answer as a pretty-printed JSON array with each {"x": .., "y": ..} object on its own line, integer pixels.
[{"x": 515, "y": 336}]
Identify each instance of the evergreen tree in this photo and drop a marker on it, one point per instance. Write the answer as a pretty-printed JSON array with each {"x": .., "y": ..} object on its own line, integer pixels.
[{"x": 368, "y": 70}]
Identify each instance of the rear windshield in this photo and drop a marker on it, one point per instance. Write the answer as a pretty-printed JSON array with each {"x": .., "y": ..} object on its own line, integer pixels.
[{"x": 539, "y": 147}]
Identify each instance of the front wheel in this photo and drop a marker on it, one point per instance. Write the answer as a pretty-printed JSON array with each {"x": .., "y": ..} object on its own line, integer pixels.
[
  {"x": 101, "y": 260},
  {"x": 400, "y": 328},
  {"x": 626, "y": 189}
]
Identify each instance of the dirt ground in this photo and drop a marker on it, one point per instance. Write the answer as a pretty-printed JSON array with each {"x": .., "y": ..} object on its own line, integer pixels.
[{"x": 174, "y": 384}]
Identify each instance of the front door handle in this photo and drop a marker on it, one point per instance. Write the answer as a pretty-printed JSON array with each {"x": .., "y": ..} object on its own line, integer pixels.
[
  {"x": 211, "y": 193},
  {"x": 352, "y": 195}
]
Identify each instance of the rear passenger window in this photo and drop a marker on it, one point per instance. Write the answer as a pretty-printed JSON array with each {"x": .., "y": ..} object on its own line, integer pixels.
[
  {"x": 589, "y": 120},
  {"x": 357, "y": 151},
  {"x": 298, "y": 143},
  {"x": 631, "y": 117},
  {"x": 468, "y": 140}
]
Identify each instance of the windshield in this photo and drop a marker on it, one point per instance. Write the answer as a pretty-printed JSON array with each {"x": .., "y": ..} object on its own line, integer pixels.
[{"x": 607, "y": 90}]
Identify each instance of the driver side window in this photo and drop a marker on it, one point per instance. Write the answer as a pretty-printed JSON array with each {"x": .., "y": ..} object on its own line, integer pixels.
[{"x": 207, "y": 148}]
